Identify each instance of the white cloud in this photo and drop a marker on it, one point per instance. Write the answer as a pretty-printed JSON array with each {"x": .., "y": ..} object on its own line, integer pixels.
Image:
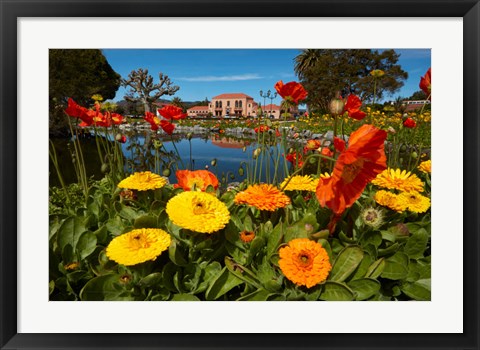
[{"x": 212, "y": 78}]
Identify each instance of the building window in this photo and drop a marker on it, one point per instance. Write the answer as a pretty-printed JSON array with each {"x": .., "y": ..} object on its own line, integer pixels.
[
  {"x": 228, "y": 103},
  {"x": 240, "y": 104}
]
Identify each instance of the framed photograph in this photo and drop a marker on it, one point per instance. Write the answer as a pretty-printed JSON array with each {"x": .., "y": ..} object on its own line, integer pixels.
[{"x": 166, "y": 245}]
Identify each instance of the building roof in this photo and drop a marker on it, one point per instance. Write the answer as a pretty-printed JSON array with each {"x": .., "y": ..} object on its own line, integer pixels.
[
  {"x": 205, "y": 108},
  {"x": 271, "y": 107},
  {"x": 232, "y": 95}
]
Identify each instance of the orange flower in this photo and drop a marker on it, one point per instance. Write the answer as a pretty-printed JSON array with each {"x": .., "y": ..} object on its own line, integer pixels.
[
  {"x": 263, "y": 197},
  {"x": 291, "y": 91},
  {"x": 247, "y": 236},
  {"x": 312, "y": 145},
  {"x": 167, "y": 126},
  {"x": 292, "y": 158},
  {"x": 77, "y": 111},
  {"x": 353, "y": 107},
  {"x": 197, "y": 180},
  {"x": 354, "y": 169},
  {"x": 426, "y": 83},
  {"x": 304, "y": 262},
  {"x": 153, "y": 120},
  {"x": 409, "y": 123},
  {"x": 172, "y": 112}
]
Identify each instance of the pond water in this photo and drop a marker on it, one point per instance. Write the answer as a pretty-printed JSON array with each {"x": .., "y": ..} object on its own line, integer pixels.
[{"x": 139, "y": 152}]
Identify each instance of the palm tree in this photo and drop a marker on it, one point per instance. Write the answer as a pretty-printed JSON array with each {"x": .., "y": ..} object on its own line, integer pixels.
[
  {"x": 305, "y": 60},
  {"x": 177, "y": 101}
]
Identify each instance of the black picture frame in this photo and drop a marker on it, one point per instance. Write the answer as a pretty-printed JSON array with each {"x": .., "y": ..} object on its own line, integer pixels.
[{"x": 11, "y": 10}]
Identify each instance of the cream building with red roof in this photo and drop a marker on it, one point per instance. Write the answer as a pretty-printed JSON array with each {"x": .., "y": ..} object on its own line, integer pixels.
[{"x": 233, "y": 105}]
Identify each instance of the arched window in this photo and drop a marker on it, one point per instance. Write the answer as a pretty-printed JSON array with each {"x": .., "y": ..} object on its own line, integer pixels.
[
  {"x": 216, "y": 104},
  {"x": 220, "y": 103},
  {"x": 236, "y": 104},
  {"x": 240, "y": 104}
]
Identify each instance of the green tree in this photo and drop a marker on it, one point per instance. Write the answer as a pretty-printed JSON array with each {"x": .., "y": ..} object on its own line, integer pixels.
[
  {"x": 177, "y": 101},
  {"x": 141, "y": 87},
  {"x": 79, "y": 74},
  {"x": 323, "y": 72},
  {"x": 418, "y": 95}
]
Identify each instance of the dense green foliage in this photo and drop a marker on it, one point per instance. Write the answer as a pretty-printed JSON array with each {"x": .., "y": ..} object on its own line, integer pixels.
[
  {"x": 324, "y": 72},
  {"x": 79, "y": 74}
]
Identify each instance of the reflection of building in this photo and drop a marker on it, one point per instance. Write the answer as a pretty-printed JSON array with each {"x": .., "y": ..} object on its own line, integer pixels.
[
  {"x": 236, "y": 104},
  {"x": 198, "y": 111},
  {"x": 228, "y": 142}
]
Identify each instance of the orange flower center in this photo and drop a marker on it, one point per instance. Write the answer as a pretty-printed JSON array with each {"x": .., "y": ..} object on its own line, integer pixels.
[
  {"x": 199, "y": 208},
  {"x": 139, "y": 241},
  {"x": 350, "y": 171},
  {"x": 305, "y": 259}
]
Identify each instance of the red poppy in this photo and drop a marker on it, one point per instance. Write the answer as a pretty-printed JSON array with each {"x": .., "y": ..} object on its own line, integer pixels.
[
  {"x": 121, "y": 138},
  {"x": 277, "y": 133},
  {"x": 153, "y": 120},
  {"x": 172, "y": 112},
  {"x": 312, "y": 145},
  {"x": 354, "y": 169},
  {"x": 326, "y": 152},
  {"x": 167, "y": 126},
  {"x": 292, "y": 158},
  {"x": 339, "y": 144},
  {"x": 76, "y": 111},
  {"x": 261, "y": 128},
  {"x": 291, "y": 91},
  {"x": 426, "y": 83},
  {"x": 198, "y": 180},
  {"x": 409, "y": 123},
  {"x": 116, "y": 118},
  {"x": 353, "y": 107}
]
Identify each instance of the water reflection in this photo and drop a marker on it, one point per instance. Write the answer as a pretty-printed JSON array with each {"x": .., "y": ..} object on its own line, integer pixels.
[{"x": 142, "y": 152}]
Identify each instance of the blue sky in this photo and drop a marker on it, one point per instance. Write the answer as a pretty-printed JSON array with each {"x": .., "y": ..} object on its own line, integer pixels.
[{"x": 204, "y": 73}]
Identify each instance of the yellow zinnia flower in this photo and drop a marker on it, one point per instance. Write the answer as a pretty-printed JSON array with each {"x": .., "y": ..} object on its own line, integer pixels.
[
  {"x": 415, "y": 201},
  {"x": 304, "y": 262},
  {"x": 390, "y": 200},
  {"x": 143, "y": 181},
  {"x": 399, "y": 180},
  {"x": 425, "y": 167},
  {"x": 198, "y": 211},
  {"x": 263, "y": 197},
  {"x": 300, "y": 183},
  {"x": 138, "y": 246}
]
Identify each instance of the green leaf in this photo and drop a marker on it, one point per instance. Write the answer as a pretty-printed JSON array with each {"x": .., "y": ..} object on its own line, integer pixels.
[
  {"x": 345, "y": 263},
  {"x": 86, "y": 244},
  {"x": 303, "y": 227},
  {"x": 102, "y": 234},
  {"x": 105, "y": 287},
  {"x": 70, "y": 231},
  {"x": 184, "y": 297},
  {"x": 396, "y": 267},
  {"x": 388, "y": 236},
  {"x": 255, "y": 247},
  {"x": 327, "y": 247},
  {"x": 418, "y": 269},
  {"x": 127, "y": 212},
  {"x": 419, "y": 290},
  {"x": 334, "y": 291},
  {"x": 176, "y": 254},
  {"x": 364, "y": 288},
  {"x": 115, "y": 226},
  {"x": 258, "y": 295},
  {"x": 416, "y": 244},
  {"x": 275, "y": 238},
  {"x": 145, "y": 221},
  {"x": 362, "y": 269},
  {"x": 372, "y": 237},
  {"x": 242, "y": 273},
  {"x": 151, "y": 280},
  {"x": 224, "y": 282},
  {"x": 375, "y": 269}
]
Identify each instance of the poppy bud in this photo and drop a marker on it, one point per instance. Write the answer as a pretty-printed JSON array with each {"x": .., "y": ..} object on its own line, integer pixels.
[
  {"x": 240, "y": 171},
  {"x": 336, "y": 106},
  {"x": 105, "y": 168},
  {"x": 256, "y": 153},
  {"x": 157, "y": 144},
  {"x": 118, "y": 137},
  {"x": 391, "y": 130},
  {"x": 189, "y": 136},
  {"x": 403, "y": 148},
  {"x": 166, "y": 172},
  {"x": 214, "y": 161},
  {"x": 232, "y": 177},
  {"x": 244, "y": 148},
  {"x": 206, "y": 167},
  {"x": 414, "y": 155}
]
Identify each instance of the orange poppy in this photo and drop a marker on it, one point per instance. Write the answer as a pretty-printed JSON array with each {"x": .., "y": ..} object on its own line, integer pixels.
[
  {"x": 355, "y": 167},
  {"x": 291, "y": 91},
  {"x": 172, "y": 112},
  {"x": 76, "y": 111},
  {"x": 195, "y": 180},
  {"x": 167, "y": 126},
  {"x": 353, "y": 107},
  {"x": 426, "y": 83},
  {"x": 153, "y": 120}
]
